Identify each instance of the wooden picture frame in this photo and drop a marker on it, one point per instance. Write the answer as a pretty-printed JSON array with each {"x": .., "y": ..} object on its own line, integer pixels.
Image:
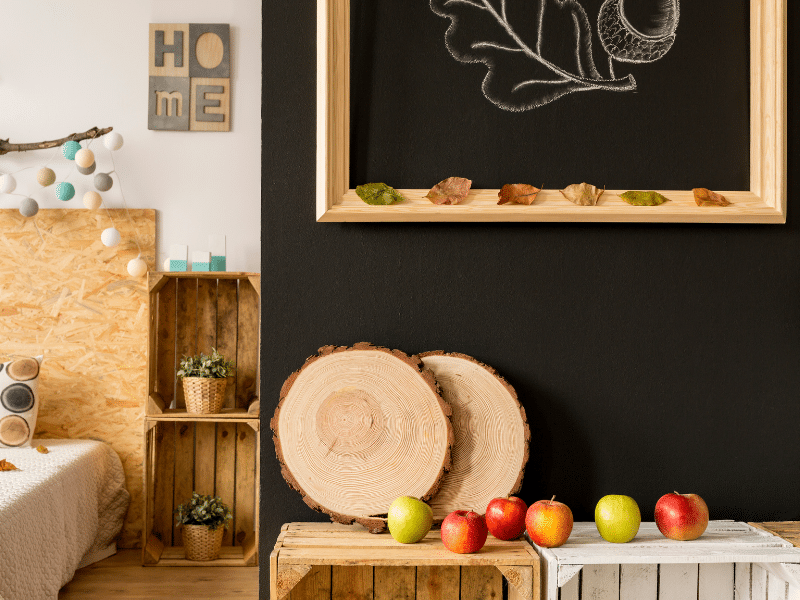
[{"x": 764, "y": 202}]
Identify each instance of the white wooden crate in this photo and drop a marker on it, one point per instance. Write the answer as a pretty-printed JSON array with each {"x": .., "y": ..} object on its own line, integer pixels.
[{"x": 731, "y": 561}]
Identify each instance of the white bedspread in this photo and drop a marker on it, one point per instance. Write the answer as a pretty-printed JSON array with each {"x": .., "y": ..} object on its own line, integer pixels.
[{"x": 60, "y": 511}]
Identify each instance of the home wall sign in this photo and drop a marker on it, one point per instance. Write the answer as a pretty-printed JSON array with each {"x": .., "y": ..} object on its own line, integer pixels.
[
  {"x": 469, "y": 39},
  {"x": 190, "y": 77}
]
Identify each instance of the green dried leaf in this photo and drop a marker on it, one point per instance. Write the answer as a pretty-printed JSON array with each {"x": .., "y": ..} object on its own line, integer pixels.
[
  {"x": 378, "y": 194},
  {"x": 643, "y": 198}
]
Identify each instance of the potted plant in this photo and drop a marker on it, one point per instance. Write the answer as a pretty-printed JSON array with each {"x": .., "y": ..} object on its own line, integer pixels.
[
  {"x": 204, "y": 520},
  {"x": 204, "y": 380}
]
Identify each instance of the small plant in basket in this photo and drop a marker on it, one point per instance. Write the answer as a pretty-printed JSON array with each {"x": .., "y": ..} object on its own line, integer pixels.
[
  {"x": 204, "y": 380},
  {"x": 203, "y": 519}
]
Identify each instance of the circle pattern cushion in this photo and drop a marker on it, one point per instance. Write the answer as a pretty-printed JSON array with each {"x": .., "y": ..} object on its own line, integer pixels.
[{"x": 19, "y": 401}]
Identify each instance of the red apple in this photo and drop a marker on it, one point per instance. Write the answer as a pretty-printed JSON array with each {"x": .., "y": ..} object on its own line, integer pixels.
[
  {"x": 549, "y": 523},
  {"x": 681, "y": 516},
  {"x": 464, "y": 532},
  {"x": 505, "y": 517}
]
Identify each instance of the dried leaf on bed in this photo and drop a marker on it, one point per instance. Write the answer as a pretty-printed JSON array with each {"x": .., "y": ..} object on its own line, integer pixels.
[
  {"x": 42, "y": 449},
  {"x": 7, "y": 466}
]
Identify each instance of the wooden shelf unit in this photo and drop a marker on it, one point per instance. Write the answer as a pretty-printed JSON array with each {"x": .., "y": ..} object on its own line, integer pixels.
[{"x": 212, "y": 454}]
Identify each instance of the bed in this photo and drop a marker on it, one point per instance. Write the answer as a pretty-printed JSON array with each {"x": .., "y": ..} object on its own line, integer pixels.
[{"x": 60, "y": 511}]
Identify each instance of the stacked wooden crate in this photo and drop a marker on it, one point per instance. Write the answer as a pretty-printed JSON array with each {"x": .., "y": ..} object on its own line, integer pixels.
[{"x": 211, "y": 454}]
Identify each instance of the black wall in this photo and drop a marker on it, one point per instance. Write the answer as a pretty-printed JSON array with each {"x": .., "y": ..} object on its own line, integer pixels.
[{"x": 649, "y": 358}]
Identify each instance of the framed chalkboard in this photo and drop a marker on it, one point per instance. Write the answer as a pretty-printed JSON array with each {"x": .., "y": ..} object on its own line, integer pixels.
[{"x": 453, "y": 82}]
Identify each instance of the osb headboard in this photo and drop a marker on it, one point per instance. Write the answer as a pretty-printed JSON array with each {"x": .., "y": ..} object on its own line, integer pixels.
[{"x": 65, "y": 295}]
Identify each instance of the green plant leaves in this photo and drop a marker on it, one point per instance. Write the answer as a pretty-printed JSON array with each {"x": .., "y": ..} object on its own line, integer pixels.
[
  {"x": 210, "y": 511},
  {"x": 214, "y": 366},
  {"x": 378, "y": 194},
  {"x": 644, "y": 198}
]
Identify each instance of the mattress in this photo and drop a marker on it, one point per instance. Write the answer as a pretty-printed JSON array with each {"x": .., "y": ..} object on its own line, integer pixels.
[{"x": 58, "y": 512}]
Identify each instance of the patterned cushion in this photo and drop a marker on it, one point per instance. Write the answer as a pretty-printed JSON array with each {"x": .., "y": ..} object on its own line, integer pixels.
[{"x": 19, "y": 401}]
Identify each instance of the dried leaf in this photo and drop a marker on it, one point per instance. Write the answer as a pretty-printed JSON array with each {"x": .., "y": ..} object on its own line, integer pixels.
[
  {"x": 518, "y": 193},
  {"x": 582, "y": 194},
  {"x": 42, "y": 449},
  {"x": 378, "y": 194},
  {"x": 7, "y": 466},
  {"x": 643, "y": 198},
  {"x": 450, "y": 191},
  {"x": 705, "y": 197}
]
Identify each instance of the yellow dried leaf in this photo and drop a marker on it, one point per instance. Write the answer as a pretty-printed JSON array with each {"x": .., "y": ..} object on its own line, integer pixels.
[
  {"x": 7, "y": 466},
  {"x": 582, "y": 194},
  {"x": 42, "y": 449},
  {"x": 705, "y": 197}
]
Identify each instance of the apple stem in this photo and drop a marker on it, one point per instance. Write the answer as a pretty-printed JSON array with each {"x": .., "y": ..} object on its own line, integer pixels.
[
  {"x": 676, "y": 493},
  {"x": 553, "y": 498}
]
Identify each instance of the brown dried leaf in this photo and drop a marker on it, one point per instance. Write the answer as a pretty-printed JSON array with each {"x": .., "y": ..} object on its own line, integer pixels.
[
  {"x": 518, "y": 193},
  {"x": 450, "y": 191},
  {"x": 582, "y": 194},
  {"x": 7, "y": 466},
  {"x": 705, "y": 197},
  {"x": 42, "y": 449}
]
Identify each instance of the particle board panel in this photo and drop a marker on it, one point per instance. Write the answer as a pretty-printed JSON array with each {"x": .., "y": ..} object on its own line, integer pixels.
[{"x": 67, "y": 296}]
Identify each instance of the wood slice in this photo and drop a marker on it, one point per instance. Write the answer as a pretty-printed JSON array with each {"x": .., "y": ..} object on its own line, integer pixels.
[
  {"x": 358, "y": 427},
  {"x": 491, "y": 434},
  {"x": 14, "y": 430}
]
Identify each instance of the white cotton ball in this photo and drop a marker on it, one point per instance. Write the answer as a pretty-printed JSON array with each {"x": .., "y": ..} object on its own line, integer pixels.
[
  {"x": 137, "y": 267},
  {"x": 92, "y": 200},
  {"x": 113, "y": 141},
  {"x": 110, "y": 237},
  {"x": 84, "y": 158},
  {"x": 7, "y": 184}
]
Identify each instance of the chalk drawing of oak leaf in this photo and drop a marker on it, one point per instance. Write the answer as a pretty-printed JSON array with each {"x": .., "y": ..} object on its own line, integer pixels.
[{"x": 512, "y": 39}]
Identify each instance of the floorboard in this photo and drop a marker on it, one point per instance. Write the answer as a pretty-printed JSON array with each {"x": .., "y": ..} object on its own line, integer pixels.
[{"x": 122, "y": 577}]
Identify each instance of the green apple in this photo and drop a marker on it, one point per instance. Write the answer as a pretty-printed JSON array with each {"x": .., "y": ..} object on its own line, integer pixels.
[
  {"x": 617, "y": 518},
  {"x": 409, "y": 519}
]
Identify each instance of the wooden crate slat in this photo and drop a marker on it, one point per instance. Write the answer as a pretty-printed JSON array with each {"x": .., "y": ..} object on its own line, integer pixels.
[
  {"x": 600, "y": 582},
  {"x": 673, "y": 555},
  {"x": 163, "y": 481},
  {"x": 741, "y": 581},
  {"x": 438, "y": 582},
  {"x": 205, "y": 451},
  {"x": 314, "y": 586},
  {"x": 185, "y": 328},
  {"x": 247, "y": 345},
  {"x": 395, "y": 583},
  {"x": 184, "y": 471},
  {"x": 715, "y": 581},
  {"x": 391, "y": 557},
  {"x": 572, "y": 590},
  {"x": 164, "y": 358},
  {"x": 677, "y": 581},
  {"x": 369, "y": 540},
  {"x": 481, "y": 583},
  {"x": 206, "y": 315},
  {"x": 245, "y": 483},
  {"x": 788, "y": 530},
  {"x": 227, "y": 330},
  {"x": 351, "y": 583},
  {"x": 639, "y": 582},
  {"x": 226, "y": 465}
]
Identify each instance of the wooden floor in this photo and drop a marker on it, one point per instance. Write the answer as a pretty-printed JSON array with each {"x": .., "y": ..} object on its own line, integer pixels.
[{"x": 121, "y": 577}]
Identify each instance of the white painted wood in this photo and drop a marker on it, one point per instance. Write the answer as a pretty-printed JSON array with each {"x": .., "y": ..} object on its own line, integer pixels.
[
  {"x": 600, "y": 582},
  {"x": 571, "y": 589},
  {"x": 567, "y": 573},
  {"x": 794, "y": 593},
  {"x": 638, "y": 582},
  {"x": 789, "y": 572},
  {"x": 678, "y": 582},
  {"x": 742, "y": 581},
  {"x": 549, "y": 573},
  {"x": 758, "y": 583},
  {"x": 715, "y": 581},
  {"x": 675, "y": 554},
  {"x": 776, "y": 587}
]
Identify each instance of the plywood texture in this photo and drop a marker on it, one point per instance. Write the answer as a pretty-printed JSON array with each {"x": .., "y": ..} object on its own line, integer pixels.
[{"x": 67, "y": 296}]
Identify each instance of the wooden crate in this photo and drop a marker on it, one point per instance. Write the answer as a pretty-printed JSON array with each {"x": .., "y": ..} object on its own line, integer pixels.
[
  {"x": 210, "y": 454},
  {"x": 731, "y": 561},
  {"x": 328, "y": 561}
]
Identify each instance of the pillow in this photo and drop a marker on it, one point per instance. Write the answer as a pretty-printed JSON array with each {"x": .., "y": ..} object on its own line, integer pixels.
[{"x": 19, "y": 401}]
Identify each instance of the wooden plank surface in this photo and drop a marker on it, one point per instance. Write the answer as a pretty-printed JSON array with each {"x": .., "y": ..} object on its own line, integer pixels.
[
  {"x": 206, "y": 315},
  {"x": 351, "y": 583},
  {"x": 715, "y": 581},
  {"x": 788, "y": 530},
  {"x": 314, "y": 586},
  {"x": 481, "y": 583},
  {"x": 205, "y": 454},
  {"x": 741, "y": 581},
  {"x": 777, "y": 588},
  {"x": 164, "y": 482},
  {"x": 395, "y": 583},
  {"x": 758, "y": 583},
  {"x": 164, "y": 359},
  {"x": 677, "y": 581},
  {"x": 572, "y": 589},
  {"x": 225, "y": 468},
  {"x": 245, "y": 482},
  {"x": 227, "y": 330},
  {"x": 600, "y": 582},
  {"x": 184, "y": 471},
  {"x": 438, "y": 582},
  {"x": 639, "y": 582},
  {"x": 247, "y": 345},
  {"x": 185, "y": 328}
]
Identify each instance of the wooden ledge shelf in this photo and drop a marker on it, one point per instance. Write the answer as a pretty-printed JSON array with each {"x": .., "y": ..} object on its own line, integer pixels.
[
  {"x": 227, "y": 414},
  {"x": 156, "y": 554}
]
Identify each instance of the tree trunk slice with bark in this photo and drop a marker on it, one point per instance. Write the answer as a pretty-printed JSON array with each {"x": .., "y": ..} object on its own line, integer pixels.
[
  {"x": 358, "y": 427},
  {"x": 491, "y": 434}
]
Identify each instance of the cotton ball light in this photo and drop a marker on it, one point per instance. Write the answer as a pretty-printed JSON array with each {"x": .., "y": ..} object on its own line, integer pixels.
[
  {"x": 166, "y": 265},
  {"x": 7, "y": 184},
  {"x": 87, "y": 170},
  {"x": 70, "y": 149},
  {"x": 110, "y": 237},
  {"x": 65, "y": 191},
  {"x": 92, "y": 200},
  {"x": 103, "y": 182},
  {"x": 113, "y": 141},
  {"x": 28, "y": 207},
  {"x": 46, "y": 176},
  {"x": 137, "y": 267},
  {"x": 84, "y": 158}
]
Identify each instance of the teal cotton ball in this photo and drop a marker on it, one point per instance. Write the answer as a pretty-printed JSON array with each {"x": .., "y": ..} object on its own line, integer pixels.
[
  {"x": 70, "y": 149},
  {"x": 28, "y": 207},
  {"x": 103, "y": 182},
  {"x": 65, "y": 191},
  {"x": 87, "y": 170}
]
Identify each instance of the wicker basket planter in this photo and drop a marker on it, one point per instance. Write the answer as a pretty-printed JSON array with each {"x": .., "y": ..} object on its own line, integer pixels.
[
  {"x": 202, "y": 543},
  {"x": 204, "y": 395}
]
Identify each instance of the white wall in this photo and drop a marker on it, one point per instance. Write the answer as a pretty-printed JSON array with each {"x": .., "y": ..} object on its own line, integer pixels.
[{"x": 68, "y": 66}]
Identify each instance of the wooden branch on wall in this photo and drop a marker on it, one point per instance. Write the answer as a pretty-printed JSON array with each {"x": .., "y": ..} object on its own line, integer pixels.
[{"x": 94, "y": 132}]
